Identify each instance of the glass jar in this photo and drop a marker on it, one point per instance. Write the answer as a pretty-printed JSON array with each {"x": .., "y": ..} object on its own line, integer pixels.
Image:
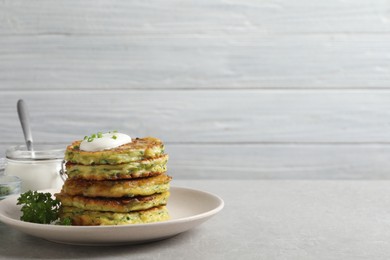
[
  {"x": 38, "y": 169},
  {"x": 9, "y": 185},
  {"x": 2, "y": 166}
]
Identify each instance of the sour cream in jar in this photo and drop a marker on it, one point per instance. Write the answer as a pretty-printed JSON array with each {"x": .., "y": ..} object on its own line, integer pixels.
[{"x": 38, "y": 169}]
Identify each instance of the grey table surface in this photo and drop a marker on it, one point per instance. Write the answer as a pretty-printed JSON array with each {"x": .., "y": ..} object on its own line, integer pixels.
[{"x": 262, "y": 219}]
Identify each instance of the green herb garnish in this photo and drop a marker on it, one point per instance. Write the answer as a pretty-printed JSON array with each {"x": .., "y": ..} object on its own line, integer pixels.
[
  {"x": 5, "y": 190},
  {"x": 114, "y": 137},
  {"x": 66, "y": 221},
  {"x": 98, "y": 135},
  {"x": 38, "y": 207}
]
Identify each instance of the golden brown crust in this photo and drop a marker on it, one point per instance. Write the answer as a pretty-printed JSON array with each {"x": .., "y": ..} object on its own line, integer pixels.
[{"x": 113, "y": 204}]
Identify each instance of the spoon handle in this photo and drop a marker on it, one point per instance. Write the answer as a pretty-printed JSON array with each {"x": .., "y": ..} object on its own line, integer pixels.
[{"x": 25, "y": 122}]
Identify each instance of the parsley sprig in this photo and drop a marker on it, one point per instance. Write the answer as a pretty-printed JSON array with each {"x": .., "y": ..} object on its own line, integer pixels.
[{"x": 38, "y": 207}]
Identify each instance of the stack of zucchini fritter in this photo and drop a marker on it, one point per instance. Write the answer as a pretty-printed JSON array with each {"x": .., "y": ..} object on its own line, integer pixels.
[{"x": 124, "y": 185}]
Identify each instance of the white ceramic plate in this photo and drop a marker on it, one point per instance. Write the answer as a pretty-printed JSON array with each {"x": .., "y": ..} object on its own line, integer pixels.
[{"x": 188, "y": 208}]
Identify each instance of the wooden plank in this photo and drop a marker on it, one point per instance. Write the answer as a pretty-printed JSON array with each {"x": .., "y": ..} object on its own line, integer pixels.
[
  {"x": 279, "y": 161},
  {"x": 193, "y": 116},
  {"x": 276, "y": 161},
  {"x": 186, "y": 62},
  {"x": 196, "y": 17}
]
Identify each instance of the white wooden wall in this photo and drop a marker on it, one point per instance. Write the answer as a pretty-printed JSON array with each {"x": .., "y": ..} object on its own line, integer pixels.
[{"x": 235, "y": 88}]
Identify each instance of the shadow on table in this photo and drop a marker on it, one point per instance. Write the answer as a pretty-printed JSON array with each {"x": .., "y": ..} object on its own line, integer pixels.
[{"x": 28, "y": 247}]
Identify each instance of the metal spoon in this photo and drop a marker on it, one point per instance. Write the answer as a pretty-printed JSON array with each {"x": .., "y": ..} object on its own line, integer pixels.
[{"x": 25, "y": 122}]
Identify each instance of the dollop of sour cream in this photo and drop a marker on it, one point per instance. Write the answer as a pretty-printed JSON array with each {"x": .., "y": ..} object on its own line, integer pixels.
[{"x": 104, "y": 142}]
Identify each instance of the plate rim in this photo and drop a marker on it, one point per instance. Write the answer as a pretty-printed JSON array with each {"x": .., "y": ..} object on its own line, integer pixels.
[{"x": 200, "y": 217}]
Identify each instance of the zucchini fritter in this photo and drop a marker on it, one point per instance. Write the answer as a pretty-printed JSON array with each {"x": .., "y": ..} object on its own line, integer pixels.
[
  {"x": 138, "y": 149},
  {"x": 113, "y": 204},
  {"x": 81, "y": 217},
  {"x": 117, "y": 189},
  {"x": 142, "y": 168}
]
